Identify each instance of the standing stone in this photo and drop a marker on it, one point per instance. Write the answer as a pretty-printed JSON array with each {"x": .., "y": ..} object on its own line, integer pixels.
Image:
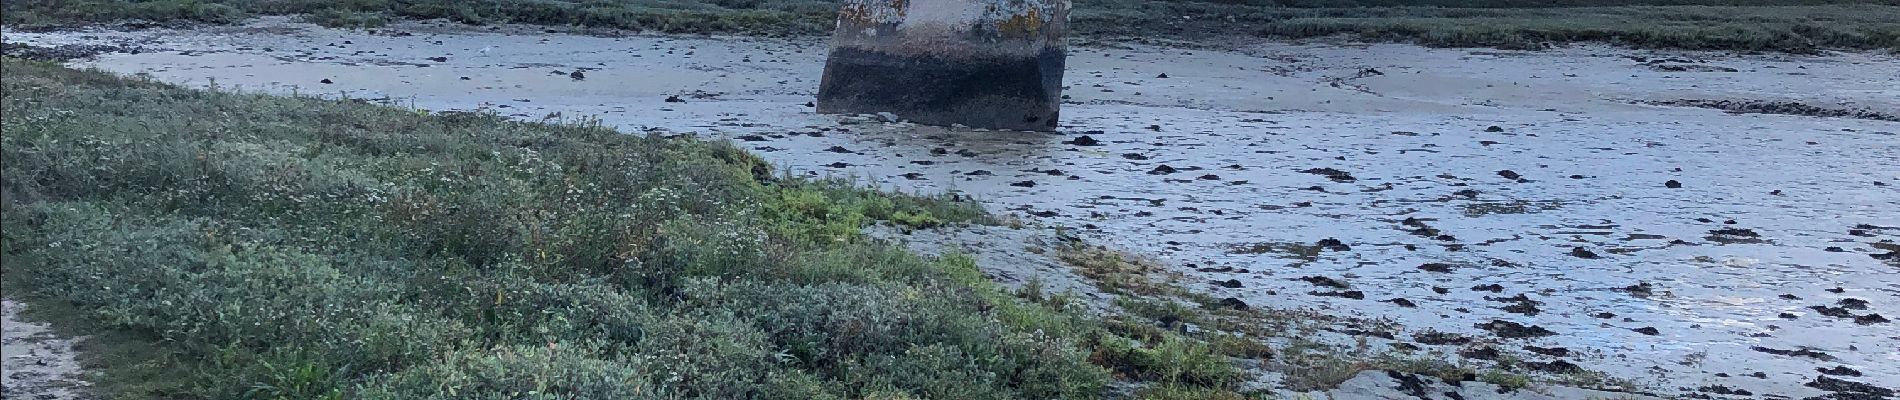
[{"x": 982, "y": 63}]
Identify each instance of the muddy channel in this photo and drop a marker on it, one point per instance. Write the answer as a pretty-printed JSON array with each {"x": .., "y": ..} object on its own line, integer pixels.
[{"x": 1595, "y": 205}]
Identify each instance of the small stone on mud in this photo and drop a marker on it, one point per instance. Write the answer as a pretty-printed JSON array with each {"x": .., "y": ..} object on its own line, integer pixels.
[
  {"x": 1604, "y": 315},
  {"x": 1640, "y": 289},
  {"x": 325, "y": 81},
  {"x": 1513, "y": 330},
  {"x": 1494, "y": 128},
  {"x": 1871, "y": 319},
  {"x": 1481, "y": 353},
  {"x": 1845, "y": 389},
  {"x": 1647, "y": 330},
  {"x": 1350, "y": 294},
  {"x": 1852, "y": 304},
  {"x": 674, "y": 99},
  {"x": 1084, "y": 140},
  {"x": 1441, "y": 290},
  {"x": 1437, "y": 267},
  {"x": 1162, "y": 169},
  {"x": 1836, "y": 289},
  {"x": 1134, "y": 156},
  {"x": 1509, "y": 174},
  {"x": 837, "y": 165},
  {"x": 1672, "y": 184},
  {"x": 1230, "y": 283},
  {"x": 1234, "y": 303},
  {"x": 1786, "y": 296},
  {"x": 838, "y": 149},
  {"x": 1436, "y": 338},
  {"x": 1725, "y": 390},
  {"x": 1209, "y": 177},
  {"x": 1841, "y": 370},
  {"x": 1324, "y": 281},
  {"x": 1162, "y": 76},
  {"x": 1553, "y": 367},
  {"x": 1549, "y": 351},
  {"x": 1526, "y": 308},
  {"x": 439, "y": 59},
  {"x": 1333, "y": 174},
  {"x": 1402, "y": 302},
  {"x": 1583, "y": 253},
  {"x": 1333, "y": 244},
  {"x": 1796, "y": 353},
  {"x": 1493, "y": 288}
]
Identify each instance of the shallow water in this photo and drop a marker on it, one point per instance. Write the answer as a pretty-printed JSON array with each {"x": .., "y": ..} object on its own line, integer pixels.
[{"x": 1238, "y": 127}]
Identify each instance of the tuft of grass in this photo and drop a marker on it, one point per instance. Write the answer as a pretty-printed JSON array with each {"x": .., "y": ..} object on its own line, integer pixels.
[
  {"x": 1118, "y": 272},
  {"x": 1175, "y": 392},
  {"x": 1504, "y": 379},
  {"x": 1324, "y": 373},
  {"x": 247, "y": 246}
]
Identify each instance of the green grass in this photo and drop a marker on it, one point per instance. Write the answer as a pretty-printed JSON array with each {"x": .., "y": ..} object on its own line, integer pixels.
[
  {"x": 1749, "y": 25},
  {"x": 225, "y": 245}
]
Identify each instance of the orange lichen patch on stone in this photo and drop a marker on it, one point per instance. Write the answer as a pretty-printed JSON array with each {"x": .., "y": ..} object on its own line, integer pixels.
[
  {"x": 1024, "y": 25},
  {"x": 873, "y": 11},
  {"x": 854, "y": 13}
]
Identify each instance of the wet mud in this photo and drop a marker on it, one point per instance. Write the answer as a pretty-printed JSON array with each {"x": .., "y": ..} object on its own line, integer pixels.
[
  {"x": 36, "y": 363},
  {"x": 1499, "y": 204}
]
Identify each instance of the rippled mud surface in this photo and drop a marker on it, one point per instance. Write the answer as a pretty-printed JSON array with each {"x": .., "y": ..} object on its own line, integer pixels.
[{"x": 1538, "y": 203}]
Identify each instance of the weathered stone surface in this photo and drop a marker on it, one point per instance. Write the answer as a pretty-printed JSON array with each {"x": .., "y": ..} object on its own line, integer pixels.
[{"x": 981, "y": 63}]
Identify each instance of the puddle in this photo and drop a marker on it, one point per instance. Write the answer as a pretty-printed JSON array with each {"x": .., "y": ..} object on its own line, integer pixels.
[{"x": 1540, "y": 177}]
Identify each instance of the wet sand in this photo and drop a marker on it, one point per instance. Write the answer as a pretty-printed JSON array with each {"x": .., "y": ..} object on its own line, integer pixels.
[{"x": 1688, "y": 249}]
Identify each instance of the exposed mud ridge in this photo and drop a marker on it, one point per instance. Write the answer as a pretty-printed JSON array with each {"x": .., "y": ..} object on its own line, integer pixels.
[
  {"x": 61, "y": 53},
  {"x": 1781, "y": 107}
]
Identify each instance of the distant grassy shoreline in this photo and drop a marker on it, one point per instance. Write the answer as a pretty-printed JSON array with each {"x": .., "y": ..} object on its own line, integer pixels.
[{"x": 1740, "y": 25}]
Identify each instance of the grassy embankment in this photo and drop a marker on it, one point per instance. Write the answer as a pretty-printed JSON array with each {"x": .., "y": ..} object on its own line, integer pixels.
[
  {"x": 1772, "y": 25},
  {"x": 226, "y": 245}
]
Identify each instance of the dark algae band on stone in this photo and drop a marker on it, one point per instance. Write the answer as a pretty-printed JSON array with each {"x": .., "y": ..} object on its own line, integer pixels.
[{"x": 997, "y": 92}]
